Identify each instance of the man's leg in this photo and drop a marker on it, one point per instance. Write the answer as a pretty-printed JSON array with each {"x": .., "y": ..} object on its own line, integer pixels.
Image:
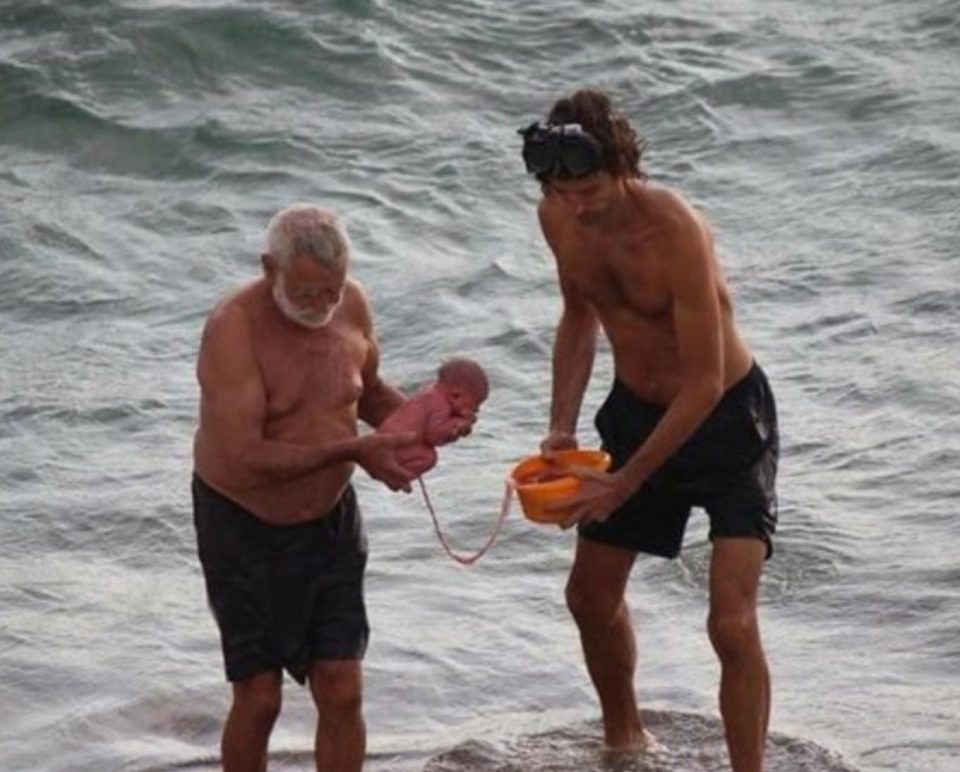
[
  {"x": 336, "y": 686},
  {"x": 246, "y": 734},
  {"x": 595, "y": 597},
  {"x": 735, "y": 634}
]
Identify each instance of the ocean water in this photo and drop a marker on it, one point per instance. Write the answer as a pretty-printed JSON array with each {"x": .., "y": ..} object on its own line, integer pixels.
[{"x": 145, "y": 143}]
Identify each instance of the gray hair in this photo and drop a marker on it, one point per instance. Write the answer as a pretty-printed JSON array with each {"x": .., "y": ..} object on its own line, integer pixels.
[{"x": 305, "y": 229}]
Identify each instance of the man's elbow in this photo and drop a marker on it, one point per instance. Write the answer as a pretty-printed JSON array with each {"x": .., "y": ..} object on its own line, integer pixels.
[
  {"x": 579, "y": 323},
  {"x": 578, "y": 313},
  {"x": 378, "y": 402},
  {"x": 371, "y": 412},
  {"x": 248, "y": 459}
]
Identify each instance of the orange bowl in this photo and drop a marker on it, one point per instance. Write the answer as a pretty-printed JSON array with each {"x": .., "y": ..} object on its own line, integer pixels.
[{"x": 540, "y": 483}]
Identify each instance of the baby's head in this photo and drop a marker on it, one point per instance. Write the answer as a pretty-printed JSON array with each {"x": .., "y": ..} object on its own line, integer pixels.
[{"x": 464, "y": 383}]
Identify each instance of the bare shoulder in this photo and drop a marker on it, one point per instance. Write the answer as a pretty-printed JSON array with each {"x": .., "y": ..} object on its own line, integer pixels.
[
  {"x": 356, "y": 305},
  {"x": 552, "y": 222},
  {"x": 680, "y": 226},
  {"x": 226, "y": 347},
  {"x": 547, "y": 211},
  {"x": 233, "y": 311},
  {"x": 673, "y": 209},
  {"x": 353, "y": 292}
]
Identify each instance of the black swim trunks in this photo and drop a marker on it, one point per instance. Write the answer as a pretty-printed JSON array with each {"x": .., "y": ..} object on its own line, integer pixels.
[
  {"x": 283, "y": 596},
  {"x": 728, "y": 467}
]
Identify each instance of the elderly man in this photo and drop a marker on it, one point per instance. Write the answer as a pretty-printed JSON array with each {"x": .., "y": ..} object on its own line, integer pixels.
[
  {"x": 690, "y": 419},
  {"x": 287, "y": 365}
]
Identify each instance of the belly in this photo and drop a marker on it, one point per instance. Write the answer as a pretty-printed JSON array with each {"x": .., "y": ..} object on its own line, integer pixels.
[
  {"x": 645, "y": 356},
  {"x": 315, "y": 493},
  {"x": 296, "y": 501},
  {"x": 656, "y": 383},
  {"x": 647, "y": 359},
  {"x": 280, "y": 498}
]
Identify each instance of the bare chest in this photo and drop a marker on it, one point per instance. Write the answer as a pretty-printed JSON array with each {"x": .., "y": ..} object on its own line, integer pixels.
[
  {"x": 621, "y": 277},
  {"x": 313, "y": 372}
]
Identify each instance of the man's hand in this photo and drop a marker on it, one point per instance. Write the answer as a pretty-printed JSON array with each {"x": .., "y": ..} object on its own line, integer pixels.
[
  {"x": 555, "y": 441},
  {"x": 374, "y": 453},
  {"x": 600, "y": 494}
]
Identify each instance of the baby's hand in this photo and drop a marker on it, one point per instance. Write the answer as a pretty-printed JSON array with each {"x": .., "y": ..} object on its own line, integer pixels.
[
  {"x": 456, "y": 428},
  {"x": 452, "y": 432},
  {"x": 464, "y": 425}
]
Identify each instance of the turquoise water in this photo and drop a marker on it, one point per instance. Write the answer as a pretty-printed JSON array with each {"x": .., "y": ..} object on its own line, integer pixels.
[{"x": 144, "y": 145}]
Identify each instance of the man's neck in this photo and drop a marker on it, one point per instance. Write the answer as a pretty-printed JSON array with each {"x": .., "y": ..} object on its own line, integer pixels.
[
  {"x": 623, "y": 212},
  {"x": 629, "y": 204}
]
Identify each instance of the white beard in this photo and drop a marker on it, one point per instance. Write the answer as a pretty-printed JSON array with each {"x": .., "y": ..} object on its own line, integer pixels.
[{"x": 309, "y": 319}]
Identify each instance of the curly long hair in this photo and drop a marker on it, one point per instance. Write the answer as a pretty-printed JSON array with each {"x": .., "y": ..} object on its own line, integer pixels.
[{"x": 621, "y": 146}]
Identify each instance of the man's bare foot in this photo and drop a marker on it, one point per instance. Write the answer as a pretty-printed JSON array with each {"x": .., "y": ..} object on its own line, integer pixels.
[{"x": 644, "y": 743}]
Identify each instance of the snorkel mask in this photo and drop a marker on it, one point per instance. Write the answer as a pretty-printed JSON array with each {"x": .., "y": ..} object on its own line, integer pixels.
[{"x": 561, "y": 150}]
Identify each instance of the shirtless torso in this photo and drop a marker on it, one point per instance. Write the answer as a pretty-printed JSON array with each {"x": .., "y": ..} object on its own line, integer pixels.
[
  {"x": 637, "y": 259},
  {"x": 629, "y": 275},
  {"x": 275, "y": 394}
]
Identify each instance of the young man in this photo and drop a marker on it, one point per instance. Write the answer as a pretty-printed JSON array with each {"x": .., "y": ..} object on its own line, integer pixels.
[
  {"x": 690, "y": 420},
  {"x": 287, "y": 365}
]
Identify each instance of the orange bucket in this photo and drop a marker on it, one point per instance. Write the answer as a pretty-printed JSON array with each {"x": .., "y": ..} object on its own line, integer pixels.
[{"x": 540, "y": 483}]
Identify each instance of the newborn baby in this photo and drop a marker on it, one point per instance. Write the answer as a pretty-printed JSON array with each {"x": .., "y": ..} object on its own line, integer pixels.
[{"x": 440, "y": 412}]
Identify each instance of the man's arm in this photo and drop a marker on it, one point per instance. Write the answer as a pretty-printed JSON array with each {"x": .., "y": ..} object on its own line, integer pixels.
[
  {"x": 379, "y": 398},
  {"x": 574, "y": 348},
  {"x": 233, "y": 407},
  {"x": 573, "y": 353},
  {"x": 697, "y": 322}
]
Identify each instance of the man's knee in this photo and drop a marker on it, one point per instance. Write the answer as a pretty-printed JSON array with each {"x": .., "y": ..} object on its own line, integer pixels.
[
  {"x": 259, "y": 698},
  {"x": 734, "y": 634},
  {"x": 593, "y": 607},
  {"x": 336, "y": 686}
]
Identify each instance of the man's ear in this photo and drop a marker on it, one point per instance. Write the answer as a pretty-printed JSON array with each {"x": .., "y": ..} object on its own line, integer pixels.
[{"x": 269, "y": 266}]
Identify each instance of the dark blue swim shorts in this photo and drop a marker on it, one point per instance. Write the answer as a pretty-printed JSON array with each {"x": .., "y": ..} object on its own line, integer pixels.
[
  {"x": 728, "y": 467},
  {"x": 283, "y": 596}
]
